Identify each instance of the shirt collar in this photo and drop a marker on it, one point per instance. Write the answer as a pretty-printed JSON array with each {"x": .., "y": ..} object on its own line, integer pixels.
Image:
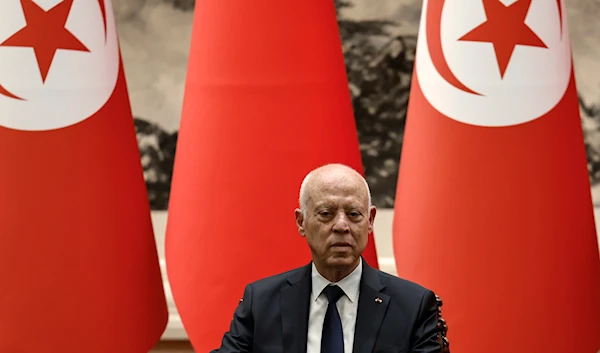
[{"x": 349, "y": 284}]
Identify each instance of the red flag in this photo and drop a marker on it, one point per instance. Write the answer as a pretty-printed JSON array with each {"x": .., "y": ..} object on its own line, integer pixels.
[
  {"x": 266, "y": 101},
  {"x": 493, "y": 208},
  {"x": 78, "y": 260}
]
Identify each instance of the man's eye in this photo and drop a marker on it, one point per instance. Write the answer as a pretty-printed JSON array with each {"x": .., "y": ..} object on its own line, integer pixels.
[{"x": 324, "y": 213}]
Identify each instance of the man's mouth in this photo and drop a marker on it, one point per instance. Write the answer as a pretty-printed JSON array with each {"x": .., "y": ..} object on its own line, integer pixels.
[{"x": 340, "y": 244}]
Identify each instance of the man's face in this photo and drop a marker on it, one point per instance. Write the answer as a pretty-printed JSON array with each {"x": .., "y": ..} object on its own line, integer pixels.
[{"x": 337, "y": 220}]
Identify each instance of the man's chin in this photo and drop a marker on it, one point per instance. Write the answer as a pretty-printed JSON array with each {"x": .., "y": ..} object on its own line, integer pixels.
[{"x": 339, "y": 260}]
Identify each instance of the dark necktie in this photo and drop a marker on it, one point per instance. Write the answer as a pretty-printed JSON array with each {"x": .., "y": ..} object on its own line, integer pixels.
[{"x": 332, "y": 339}]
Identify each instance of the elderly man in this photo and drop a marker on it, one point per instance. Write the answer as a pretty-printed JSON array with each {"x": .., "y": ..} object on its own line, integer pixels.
[{"x": 337, "y": 303}]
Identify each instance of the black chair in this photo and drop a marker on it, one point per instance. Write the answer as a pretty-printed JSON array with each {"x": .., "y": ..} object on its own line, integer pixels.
[{"x": 442, "y": 328}]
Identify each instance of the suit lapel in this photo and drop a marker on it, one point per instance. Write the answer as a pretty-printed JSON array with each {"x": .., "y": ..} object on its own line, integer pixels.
[
  {"x": 294, "y": 311},
  {"x": 372, "y": 305}
]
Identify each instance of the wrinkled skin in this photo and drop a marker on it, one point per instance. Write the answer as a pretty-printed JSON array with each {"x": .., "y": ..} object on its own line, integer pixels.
[{"x": 337, "y": 220}]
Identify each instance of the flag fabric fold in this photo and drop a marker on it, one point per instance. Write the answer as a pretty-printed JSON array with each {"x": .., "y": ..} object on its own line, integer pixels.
[
  {"x": 78, "y": 261},
  {"x": 493, "y": 209},
  {"x": 266, "y": 101}
]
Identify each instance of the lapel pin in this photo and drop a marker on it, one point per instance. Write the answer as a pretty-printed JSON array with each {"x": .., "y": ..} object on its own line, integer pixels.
[
  {"x": 378, "y": 300},
  {"x": 241, "y": 300}
]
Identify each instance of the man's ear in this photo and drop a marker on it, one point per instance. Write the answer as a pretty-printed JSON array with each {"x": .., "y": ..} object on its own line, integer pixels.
[
  {"x": 299, "y": 221},
  {"x": 372, "y": 213}
]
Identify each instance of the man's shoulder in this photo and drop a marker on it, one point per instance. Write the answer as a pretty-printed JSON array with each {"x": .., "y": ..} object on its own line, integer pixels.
[
  {"x": 401, "y": 287},
  {"x": 399, "y": 282}
]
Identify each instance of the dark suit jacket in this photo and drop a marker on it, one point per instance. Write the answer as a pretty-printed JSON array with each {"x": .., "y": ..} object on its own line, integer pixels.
[{"x": 394, "y": 315}]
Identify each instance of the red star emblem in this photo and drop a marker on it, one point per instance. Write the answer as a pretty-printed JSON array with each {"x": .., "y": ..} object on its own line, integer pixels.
[
  {"x": 45, "y": 32},
  {"x": 505, "y": 28}
]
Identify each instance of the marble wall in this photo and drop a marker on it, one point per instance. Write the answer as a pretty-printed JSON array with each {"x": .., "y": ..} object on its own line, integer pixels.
[{"x": 378, "y": 41}]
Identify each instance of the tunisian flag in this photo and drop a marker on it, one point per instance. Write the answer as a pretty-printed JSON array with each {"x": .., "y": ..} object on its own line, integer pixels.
[
  {"x": 266, "y": 101},
  {"x": 78, "y": 262},
  {"x": 493, "y": 209}
]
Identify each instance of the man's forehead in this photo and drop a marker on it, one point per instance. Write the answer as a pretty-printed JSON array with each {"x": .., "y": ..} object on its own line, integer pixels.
[
  {"x": 338, "y": 174},
  {"x": 337, "y": 191},
  {"x": 337, "y": 201},
  {"x": 338, "y": 186},
  {"x": 333, "y": 180}
]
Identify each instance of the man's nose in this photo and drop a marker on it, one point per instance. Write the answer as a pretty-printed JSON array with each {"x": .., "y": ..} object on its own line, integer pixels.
[{"x": 341, "y": 224}]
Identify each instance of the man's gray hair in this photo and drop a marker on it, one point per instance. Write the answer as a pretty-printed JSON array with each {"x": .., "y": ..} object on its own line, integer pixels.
[{"x": 303, "y": 187}]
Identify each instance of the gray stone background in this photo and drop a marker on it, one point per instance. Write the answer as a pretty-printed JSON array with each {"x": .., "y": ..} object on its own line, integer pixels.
[{"x": 379, "y": 38}]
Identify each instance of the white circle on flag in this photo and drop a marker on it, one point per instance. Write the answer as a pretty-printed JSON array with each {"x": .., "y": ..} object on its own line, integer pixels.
[
  {"x": 535, "y": 80},
  {"x": 78, "y": 83}
]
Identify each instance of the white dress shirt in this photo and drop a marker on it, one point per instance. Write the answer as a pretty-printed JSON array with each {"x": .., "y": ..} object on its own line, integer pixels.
[{"x": 347, "y": 307}]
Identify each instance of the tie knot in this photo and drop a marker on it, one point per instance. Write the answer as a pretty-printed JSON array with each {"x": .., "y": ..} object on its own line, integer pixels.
[{"x": 333, "y": 293}]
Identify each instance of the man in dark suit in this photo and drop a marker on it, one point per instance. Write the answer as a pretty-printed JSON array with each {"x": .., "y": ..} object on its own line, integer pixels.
[{"x": 371, "y": 311}]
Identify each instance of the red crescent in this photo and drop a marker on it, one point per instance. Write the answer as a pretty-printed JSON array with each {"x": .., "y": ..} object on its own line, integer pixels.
[
  {"x": 5, "y": 92},
  {"x": 434, "y": 41},
  {"x": 103, "y": 11},
  {"x": 560, "y": 15}
]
